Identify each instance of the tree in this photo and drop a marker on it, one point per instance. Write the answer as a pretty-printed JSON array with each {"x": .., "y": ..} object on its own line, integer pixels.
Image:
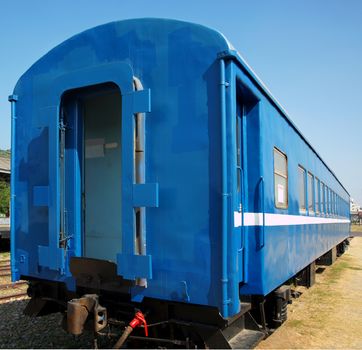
[
  {"x": 4, "y": 197},
  {"x": 5, "y": 153}
]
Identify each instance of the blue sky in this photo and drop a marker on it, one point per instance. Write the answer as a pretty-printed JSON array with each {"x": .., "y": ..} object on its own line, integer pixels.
[{"x": 308, "y": 53}]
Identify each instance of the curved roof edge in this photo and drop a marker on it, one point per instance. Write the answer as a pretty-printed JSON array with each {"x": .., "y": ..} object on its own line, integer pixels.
[
  {"x": 224, "y": 43},
  {"x": 231, "y": 53}
]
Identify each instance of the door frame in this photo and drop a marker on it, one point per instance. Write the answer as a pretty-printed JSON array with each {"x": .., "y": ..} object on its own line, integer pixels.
[
  {"x": 48, "y": 94},
  {"x": 72, "y": 181}
]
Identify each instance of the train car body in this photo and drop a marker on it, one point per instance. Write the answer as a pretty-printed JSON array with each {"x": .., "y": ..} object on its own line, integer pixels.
[{"x": 150, "y": 145}]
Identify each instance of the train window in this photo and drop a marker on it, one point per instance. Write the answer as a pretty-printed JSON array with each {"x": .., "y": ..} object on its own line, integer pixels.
[
  {"x": 317, "y": 194},
  {"x": 280, "y": 179},
  {"x": 333, "y": 203},
  {"x": 337, "y": 205},
  {"x": 341, "y": 207},
  {"x": 324, "y": 200},
  {"x": 322, "y": 197},
  {"x": 301, "y": 184},
  {"x": 328, "y": 208},
  {"x": 310, "y": 194}
]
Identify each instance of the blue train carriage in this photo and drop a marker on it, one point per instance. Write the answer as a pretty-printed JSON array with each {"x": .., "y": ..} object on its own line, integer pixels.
[{"x": 156, "y": 180}]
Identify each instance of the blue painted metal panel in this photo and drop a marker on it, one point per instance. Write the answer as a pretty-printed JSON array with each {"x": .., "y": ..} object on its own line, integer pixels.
[
  {"x": 272, "y": 101},
  {"x": 132, "y": 266},
  {"x": 176, "y": 61},
  {"x": 185, "y": 155},
  {"x": 40, "y": 196},
  {"x": 52, "y": 257},
  {"x": 118, "y": 73},
  {"x": 142, "y": 101},
  {"x": 278, "y": 253},
  {"x": 225, "y": 187},
  {"x": 22, "y": 257},
  {"x": 145, "y": 195}
]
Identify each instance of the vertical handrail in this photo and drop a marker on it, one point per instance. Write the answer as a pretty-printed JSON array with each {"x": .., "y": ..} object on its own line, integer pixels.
[
  {"x": 13, "y": 99},
  {"x": 262, "y": 241},
  {"x": 242, "y": 205},
  {"x": 62, "y": 128},
  {"x": 140, "y": 177},
  {"x": 242, "y": 249},
  {"x": 224, "y": 242}
]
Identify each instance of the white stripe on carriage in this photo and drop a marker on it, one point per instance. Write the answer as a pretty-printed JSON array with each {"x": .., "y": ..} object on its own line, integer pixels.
[{"x": 256, "y": 219}]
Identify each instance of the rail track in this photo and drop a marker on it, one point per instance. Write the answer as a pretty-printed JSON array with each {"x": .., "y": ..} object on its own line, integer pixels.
[
  {"x": 12, "y": 285},
  {"x": 5, "y": 272},
  {"x": 5, "y": 269},
  {"x": 12, "y": 297},
  {"x": 15, "y": 289}
]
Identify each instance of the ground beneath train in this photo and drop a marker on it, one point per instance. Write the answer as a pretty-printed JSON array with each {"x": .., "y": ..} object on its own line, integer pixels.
[{"x": 328, "y": 315}]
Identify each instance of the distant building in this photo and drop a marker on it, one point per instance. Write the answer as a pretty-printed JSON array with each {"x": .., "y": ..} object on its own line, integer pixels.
[
  {"x": 354, "y": 207},
  {"x": 355, "y": 212},
  {"x": 5, "y": 168}
]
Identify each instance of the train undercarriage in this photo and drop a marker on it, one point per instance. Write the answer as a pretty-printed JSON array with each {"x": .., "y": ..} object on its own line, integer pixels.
[{"x": 102, "y": 306}]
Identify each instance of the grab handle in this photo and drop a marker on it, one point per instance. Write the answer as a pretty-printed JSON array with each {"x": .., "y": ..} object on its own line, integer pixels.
[{"x": 262, "y": 238}]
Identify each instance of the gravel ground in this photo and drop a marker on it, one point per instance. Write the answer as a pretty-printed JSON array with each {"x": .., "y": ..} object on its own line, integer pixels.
[
  {"x": 19, "y": 331},
  {"x": 328, "y": 315},
  {"x": 22, "y": 332}
]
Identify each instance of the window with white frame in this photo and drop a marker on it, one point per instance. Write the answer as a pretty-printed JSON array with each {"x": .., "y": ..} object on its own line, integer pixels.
[
  {"x": 280, "y": 179},
  {"x": 310, "y": 193},
  {"x": 317, "y": 194},
  {"x": 302, "y": 190}
]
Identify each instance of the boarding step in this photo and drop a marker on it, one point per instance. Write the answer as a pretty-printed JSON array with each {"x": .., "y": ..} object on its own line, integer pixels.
[
  {"x": 239, "y": 331},
  {"x": 237, "y": 322},
  {"x": 242, "y": 331},
  {"x": 246, "y": 339}
]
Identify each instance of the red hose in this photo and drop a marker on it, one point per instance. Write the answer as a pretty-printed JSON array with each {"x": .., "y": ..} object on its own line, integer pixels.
[{"x": 138, "y": 320}]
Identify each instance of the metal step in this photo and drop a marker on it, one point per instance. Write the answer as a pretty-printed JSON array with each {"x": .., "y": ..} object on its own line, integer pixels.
[
  {"x": 246, "y": 339},
  {"x": 236, "y": 323},
  {"x": 240, "y": 332}
]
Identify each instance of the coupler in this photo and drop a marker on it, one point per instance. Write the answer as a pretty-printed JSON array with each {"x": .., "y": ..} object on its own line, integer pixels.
[{"x": 79, "y": 311}]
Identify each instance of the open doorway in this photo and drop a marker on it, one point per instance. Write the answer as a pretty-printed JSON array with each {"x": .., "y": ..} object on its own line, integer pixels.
[{"x": 90, "y": 169}]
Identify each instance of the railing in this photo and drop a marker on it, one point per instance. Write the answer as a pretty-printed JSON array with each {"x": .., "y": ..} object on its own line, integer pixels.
[{"x": 262, "y": 199}]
